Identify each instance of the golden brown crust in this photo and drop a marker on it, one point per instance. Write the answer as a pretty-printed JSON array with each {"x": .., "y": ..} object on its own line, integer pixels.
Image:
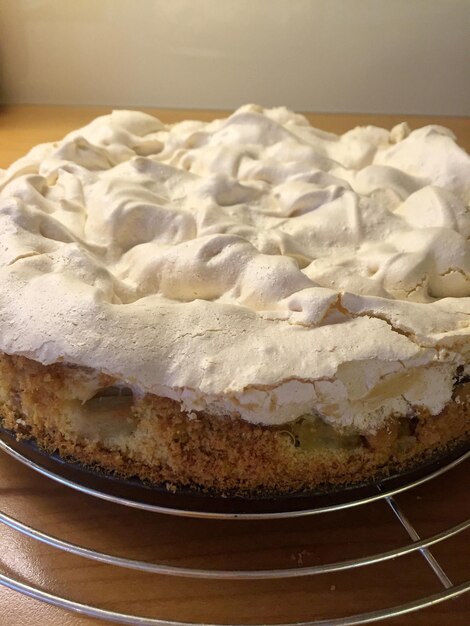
[{"x": 152, "y": 439}]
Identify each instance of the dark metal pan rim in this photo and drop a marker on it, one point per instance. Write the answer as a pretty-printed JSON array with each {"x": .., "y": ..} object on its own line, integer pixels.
[{"x": 199, "y": 503}]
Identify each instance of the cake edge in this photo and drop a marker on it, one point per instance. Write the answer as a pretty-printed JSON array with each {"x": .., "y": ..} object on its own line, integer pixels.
[{"x": 200, "y": 451}]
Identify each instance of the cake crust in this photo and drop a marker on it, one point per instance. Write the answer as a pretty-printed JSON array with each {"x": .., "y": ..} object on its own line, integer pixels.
[{"x": 166, "y": 446}]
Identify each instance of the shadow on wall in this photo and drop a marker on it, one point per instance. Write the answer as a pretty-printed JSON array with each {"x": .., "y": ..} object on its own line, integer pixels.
[
  {"x": 2, "y": 69},
  {"x": 39, "y": 52},
  {"x": 17, "y": 65}
]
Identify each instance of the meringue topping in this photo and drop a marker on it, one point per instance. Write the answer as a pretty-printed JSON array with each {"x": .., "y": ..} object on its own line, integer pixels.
[{"x": 251, "y": 266}]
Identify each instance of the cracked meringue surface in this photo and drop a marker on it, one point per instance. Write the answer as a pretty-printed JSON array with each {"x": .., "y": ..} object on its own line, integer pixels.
[{"x": 251, "y": 266}]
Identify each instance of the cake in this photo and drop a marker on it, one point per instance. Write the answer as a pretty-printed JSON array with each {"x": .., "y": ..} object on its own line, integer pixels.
[{"x": 249, "y": 305}]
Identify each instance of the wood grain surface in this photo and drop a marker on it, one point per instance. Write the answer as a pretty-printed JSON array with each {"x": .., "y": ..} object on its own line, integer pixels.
[{"x": 221, "y": 544}]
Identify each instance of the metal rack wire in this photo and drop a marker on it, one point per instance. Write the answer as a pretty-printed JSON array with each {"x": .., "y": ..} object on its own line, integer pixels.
[{"x": 416, "y": 545}]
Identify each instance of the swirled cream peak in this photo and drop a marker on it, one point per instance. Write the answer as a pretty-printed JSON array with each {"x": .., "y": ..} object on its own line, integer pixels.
[{"x": 250, "y": 266}]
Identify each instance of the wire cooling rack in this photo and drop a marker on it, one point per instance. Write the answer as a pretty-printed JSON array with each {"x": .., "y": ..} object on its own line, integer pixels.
[{"x": 416, "y": 545}]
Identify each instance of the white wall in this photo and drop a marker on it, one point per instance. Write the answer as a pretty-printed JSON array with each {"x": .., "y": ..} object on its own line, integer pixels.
[{"x": 402, "y": 56}]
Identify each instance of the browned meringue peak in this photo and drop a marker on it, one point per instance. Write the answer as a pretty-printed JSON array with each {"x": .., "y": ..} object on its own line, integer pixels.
[{"x": 253, "y": 265}]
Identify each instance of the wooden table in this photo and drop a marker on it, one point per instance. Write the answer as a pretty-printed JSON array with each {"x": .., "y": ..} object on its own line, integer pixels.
[{"x": 221, "y": 544}]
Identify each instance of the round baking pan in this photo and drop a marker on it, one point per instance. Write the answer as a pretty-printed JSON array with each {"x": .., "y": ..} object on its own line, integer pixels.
[{"x": 197, "y": 503}]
